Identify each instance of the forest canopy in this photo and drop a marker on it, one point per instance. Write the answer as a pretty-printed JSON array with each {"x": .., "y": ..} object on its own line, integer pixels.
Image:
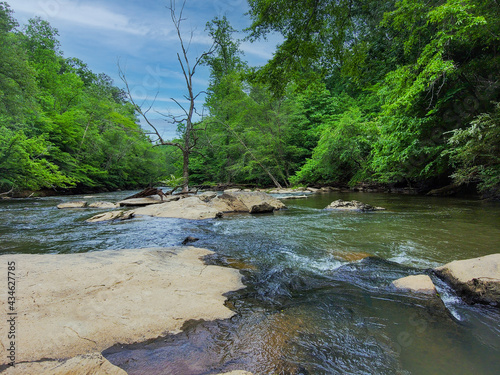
[
  {"x": 399, "y": 92},
  {"x": 386, "y": 92},
  {"x": 62, "y": 125}
]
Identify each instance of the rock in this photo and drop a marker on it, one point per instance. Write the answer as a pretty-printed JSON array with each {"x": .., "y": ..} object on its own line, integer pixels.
[
  {"x": 189, "y": 239},
  {"x": 293, "y": 197},
  {"x": 86, "y": 364},
  {"x": 112, "y": 215},
  {"x": 352, "y": 206},
  {"x": 106, "y": 205},
  {"x": 153, "y": 199},
  {"x": 231, "y": 190},
  {"x": 236, "y": 372},
  {"x": 74, "y": 304},
  {"x": 188, "y": 208},
  {"x": 312, "y": 190},
  {"x": 77, "y": 204},
  {"x": 250, "y": 201},
  {"x": 195, "y": 208},
  {"x": 476, "y": 280},
  {"x": 207, "y": 196},
  {"x": 416, "y": 283},
  {"x": 261, "y": 208}
]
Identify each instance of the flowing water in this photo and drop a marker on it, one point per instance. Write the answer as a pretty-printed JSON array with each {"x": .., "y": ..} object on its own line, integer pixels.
[{"x": 318, "y": 297}]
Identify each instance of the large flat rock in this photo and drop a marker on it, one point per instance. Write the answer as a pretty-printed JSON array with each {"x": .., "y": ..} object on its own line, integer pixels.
[
  {"x": 477, "y": 280},
  {"x": 210, "y": 206},
  {"x": 188, "y": 208},
  {"x": 73, "y": 304},
  {"x": 146, "y": 201}
]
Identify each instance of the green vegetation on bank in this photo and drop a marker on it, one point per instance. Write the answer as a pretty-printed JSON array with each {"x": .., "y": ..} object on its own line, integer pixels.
[
  {"x": 399, "y": 92},
  {"x": 62, "y": 125},
  {"x": 359, "y": 91}
]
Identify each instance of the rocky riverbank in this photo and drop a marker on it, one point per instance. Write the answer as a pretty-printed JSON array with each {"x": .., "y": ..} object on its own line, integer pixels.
[
  {"x": 71, "y": 307},
  {"x": 476, "y": 280}
]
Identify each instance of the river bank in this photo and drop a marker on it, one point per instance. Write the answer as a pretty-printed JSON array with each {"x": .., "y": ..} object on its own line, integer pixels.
[
  {"x": 78, "y": 304},
  {"x": 439, "y": 190}
]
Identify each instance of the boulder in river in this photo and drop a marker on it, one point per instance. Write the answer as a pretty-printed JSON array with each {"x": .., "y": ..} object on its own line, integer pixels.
[
  {"x": 196, "y": 208},
  {"x": 416, "y": 283},
  {"x": 104, "y": 205},
  {"x": 253, "y": 202},
  {"x": 70, "y": 305},
  {"x": 476, "y": 280},
  {"x": 112, "y": 215},
  {"x": 145, "y": 201},
  {"x": 76, "y": 204},
  {"x": 207, "y": 196},
  {"x": 352, "y": 206}
]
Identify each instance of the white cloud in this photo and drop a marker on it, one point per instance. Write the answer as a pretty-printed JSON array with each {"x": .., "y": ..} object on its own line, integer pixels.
[{"x": 90, "y": 16}]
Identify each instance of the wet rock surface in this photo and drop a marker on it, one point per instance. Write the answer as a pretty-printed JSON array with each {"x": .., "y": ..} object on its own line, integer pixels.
[
  {"x": 476, "y": 280},
  {"x": 416, "y": 284},
  {"x": 75, "y": 304},
  {"x": 352, "y": 206},
  {"x": 209, "y": 206}
]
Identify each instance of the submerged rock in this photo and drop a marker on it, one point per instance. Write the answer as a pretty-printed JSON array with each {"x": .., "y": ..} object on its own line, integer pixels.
[
  {"x": 252, "y": 202},
  {"x": 477, "y": 280},
  {"x": 77, "y": 204},
  {"x": 352, "y": 206},
  {"x": 75, "y": 304},
  {"x": 293, "y": 197},
  {"x": 112, "y": 215},
  {"x": 416, "y": 283},
  {"x": 189, "y": 239}
]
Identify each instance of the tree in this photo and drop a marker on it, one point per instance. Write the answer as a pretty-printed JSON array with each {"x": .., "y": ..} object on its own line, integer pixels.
[{"x": 185, "y": 123}]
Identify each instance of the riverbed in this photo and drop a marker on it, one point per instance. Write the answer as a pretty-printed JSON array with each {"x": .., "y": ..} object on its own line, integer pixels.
[{"x": 318, "y": 297}]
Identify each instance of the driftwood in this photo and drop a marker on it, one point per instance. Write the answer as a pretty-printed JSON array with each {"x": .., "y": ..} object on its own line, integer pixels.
[
  {"x": 7, "y": 193},
  {"x": 148, "y": 192}
]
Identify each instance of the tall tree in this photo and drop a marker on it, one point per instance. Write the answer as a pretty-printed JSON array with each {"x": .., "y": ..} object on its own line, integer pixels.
[{"x": 185, "y": 123}]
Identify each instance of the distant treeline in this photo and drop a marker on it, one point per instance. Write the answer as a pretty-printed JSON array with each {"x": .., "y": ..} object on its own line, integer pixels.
[
  {"x": 61, "y": 125},
  {"x": 394, "y": 92}
]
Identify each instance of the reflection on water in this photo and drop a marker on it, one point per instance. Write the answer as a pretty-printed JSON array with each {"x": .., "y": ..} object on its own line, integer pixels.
[{"x": 318, "y": 299}]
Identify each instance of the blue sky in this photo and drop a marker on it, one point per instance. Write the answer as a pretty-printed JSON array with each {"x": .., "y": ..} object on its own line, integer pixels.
[{"x": 140, "y": 35}]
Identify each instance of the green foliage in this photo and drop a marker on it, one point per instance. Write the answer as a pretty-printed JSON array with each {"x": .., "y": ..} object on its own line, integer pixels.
[
  {"x": 476, "y": 152},
  {"x": 417, "y": 72},
  {"x": 23, "y": 163},
  {"x": 342, "y": 150},
  {"x": 61, "y": 125}
]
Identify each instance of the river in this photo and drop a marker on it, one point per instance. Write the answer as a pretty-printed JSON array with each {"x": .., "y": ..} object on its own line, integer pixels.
[{"x": 318, "y": 297}]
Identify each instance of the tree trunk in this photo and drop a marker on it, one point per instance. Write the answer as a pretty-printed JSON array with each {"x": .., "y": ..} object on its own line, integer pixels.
[{"x": 185, "y": 171}]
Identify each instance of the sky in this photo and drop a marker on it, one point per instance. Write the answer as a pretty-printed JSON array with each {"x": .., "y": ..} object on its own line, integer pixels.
[{"x": 140, "y": 37}]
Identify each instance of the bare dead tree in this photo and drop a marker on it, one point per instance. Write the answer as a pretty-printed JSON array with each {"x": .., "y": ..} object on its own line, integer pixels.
[{"x": 185, "y": 121}]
